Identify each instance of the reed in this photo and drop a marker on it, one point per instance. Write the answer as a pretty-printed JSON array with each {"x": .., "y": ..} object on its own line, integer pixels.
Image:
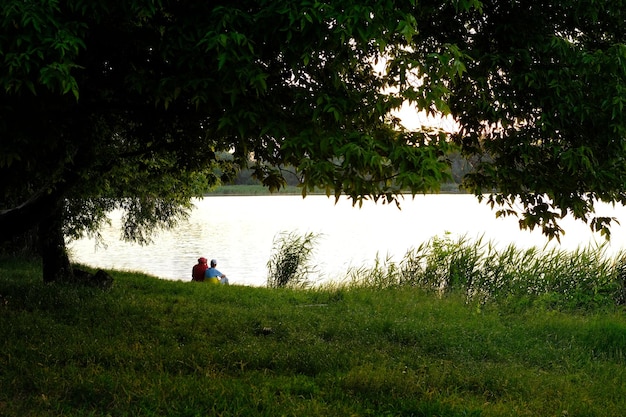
[
  {"x": 289, "y": 263},
  {"x": 584, "y": 278}
]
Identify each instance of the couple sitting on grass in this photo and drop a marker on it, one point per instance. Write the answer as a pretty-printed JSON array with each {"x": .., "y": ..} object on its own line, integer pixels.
[{"x": 201, "y": 272}]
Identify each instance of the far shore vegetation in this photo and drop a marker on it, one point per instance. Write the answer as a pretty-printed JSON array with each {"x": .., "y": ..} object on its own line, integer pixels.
[
  {"x": 257, "y": 189},
  {"x": 243, "y": 182},
  {"x": 457, "y": 328}
]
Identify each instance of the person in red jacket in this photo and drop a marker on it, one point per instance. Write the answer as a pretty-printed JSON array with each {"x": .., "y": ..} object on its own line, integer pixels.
[{"x": 197, "y": 272}]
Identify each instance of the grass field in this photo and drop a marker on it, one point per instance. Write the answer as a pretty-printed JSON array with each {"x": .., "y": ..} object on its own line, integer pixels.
[{"x": 151, "y": 347}]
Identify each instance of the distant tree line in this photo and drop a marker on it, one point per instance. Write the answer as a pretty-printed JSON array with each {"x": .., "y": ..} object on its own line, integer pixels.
[{"x": 459, "y": 166}]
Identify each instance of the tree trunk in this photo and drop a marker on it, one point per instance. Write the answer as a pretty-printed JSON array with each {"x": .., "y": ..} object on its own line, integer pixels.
[
  {"x": 43, "y": 211},
  {"x": 56, "y": 263}
]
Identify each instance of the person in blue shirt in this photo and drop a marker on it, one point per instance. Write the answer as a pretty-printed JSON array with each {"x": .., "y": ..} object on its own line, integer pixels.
[{"x": 213, "y": 275}]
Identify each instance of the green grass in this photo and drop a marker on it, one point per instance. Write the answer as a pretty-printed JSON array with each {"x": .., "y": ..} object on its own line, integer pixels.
[{"x": 151, "y": 347}]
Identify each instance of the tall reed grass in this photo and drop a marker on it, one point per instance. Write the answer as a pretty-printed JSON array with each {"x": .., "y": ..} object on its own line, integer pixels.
[
  {"x": 289, "y": 264},
  {"x": 555, "y": 278}
]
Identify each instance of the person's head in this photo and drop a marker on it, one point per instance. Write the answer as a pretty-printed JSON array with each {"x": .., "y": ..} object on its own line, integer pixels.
[
  {"x": 213, "y": 263},
  {"x": 202, "y": 260}
]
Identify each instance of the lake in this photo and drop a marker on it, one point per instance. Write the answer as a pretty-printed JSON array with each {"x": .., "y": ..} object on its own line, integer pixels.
[{"x": 239, "y": 232}]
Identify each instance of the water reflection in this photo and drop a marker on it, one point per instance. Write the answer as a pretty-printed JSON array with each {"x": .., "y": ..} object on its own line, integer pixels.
[{"x": 239, "y": 232}]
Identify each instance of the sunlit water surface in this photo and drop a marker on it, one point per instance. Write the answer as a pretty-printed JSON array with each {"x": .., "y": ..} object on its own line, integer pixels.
[{"x": 239, "y": 232}]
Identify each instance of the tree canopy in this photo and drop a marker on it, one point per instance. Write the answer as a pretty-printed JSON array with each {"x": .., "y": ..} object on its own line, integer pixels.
[{"x": 130, "y": 104}]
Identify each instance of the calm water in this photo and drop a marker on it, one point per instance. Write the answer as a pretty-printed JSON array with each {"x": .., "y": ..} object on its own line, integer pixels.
[{"x": 239, "y": 231}]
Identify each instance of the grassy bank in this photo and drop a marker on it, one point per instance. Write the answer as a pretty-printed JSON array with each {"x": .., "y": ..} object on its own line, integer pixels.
[{"x": 151, "y": 347}]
